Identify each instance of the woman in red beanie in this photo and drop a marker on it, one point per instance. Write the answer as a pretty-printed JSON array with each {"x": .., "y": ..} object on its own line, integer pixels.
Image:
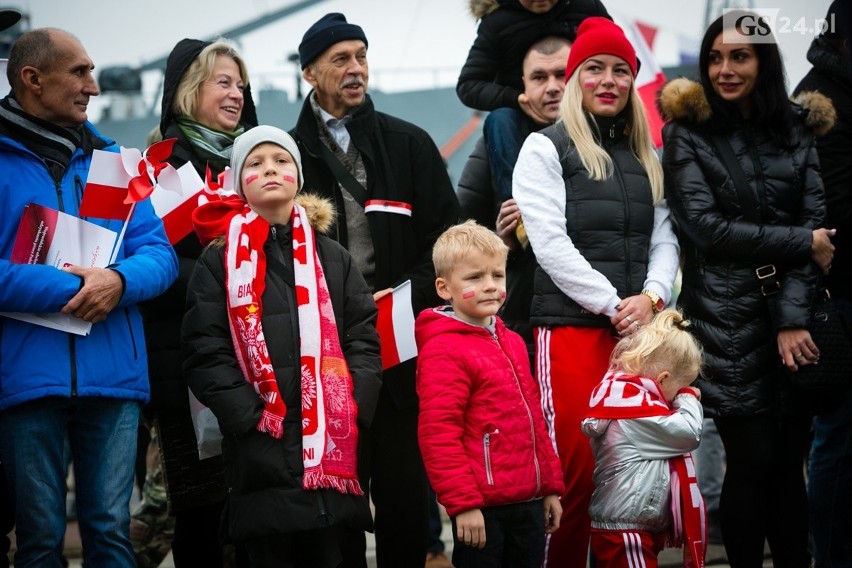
[{"x": 590, "y": 190}]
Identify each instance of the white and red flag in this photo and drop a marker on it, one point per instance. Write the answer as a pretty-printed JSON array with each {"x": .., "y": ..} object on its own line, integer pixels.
[
  {"x": 396, "y": 326},
  {"x": 650, "y": 78},
  {"x": 118, "y": 180},
  {"x": 175, "y": 206}
]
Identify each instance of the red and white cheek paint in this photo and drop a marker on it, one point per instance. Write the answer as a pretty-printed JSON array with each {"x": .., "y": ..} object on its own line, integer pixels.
[
  {"x": 468, "y": 293},
  {"x": 623, "y": 85},
  {"x": 250, "y": 178},
  {"x": 503, "y": 294},
  {"x": 289, "y": 178}
]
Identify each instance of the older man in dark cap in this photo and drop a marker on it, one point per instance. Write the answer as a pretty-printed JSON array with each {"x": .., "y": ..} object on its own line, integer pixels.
[{"x": 394, "y": 199}]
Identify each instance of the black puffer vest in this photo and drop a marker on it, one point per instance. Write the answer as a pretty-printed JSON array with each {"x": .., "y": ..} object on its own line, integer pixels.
[{"x": 610, "y": 222}]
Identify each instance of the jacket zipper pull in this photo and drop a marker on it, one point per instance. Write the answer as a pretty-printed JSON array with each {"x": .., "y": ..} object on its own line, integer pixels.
[
  {"x": 612, "y": 131},
  {"x": 274, "y": 234}
]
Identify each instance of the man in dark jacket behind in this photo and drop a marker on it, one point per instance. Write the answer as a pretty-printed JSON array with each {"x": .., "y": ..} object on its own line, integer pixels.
[
  {"x": 394, "y": 198},
  {"x": 479, "y": 185},
  {"x": 829, "y": 469}
]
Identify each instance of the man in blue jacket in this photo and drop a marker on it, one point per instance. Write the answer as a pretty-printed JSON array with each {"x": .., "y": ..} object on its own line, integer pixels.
[{"x": 58, "y": 389}]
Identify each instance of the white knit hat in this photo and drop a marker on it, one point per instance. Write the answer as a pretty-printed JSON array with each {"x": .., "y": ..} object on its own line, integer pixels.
[{"x": 250, "y": 139}]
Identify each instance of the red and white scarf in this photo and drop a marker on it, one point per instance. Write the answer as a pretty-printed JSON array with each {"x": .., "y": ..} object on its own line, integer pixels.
[
  {"x": 619, "y": 396},
  {"x": 329, "y": 430}
]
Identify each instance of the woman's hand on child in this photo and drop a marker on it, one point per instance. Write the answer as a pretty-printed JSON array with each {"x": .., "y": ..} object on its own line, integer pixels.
[
  {"x": 470, "y": 528},
  {"x": 631, "y": 314},
  {"x": 552, "y": 513}
]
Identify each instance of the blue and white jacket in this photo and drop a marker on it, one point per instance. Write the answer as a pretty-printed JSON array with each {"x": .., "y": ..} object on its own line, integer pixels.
[{"x": 35, "y": 361}]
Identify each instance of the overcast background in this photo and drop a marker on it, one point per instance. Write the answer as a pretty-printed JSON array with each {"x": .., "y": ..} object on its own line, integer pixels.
[{"x": 413, "y": 43}]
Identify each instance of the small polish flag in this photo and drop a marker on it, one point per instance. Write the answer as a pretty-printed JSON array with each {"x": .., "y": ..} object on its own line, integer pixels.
[
  {"x": 106, "y": 188},
  {"x": 396, "y": 326},
  {"x": 650, "y": 79},
  {"x": 175, "y": 206}
]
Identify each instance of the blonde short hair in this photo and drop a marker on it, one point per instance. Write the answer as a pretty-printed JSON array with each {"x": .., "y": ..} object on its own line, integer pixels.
[
  {"x": 186, "y": 94},
  {"x": 665, "y": 344},
  {"x": 460, "y": 240}
]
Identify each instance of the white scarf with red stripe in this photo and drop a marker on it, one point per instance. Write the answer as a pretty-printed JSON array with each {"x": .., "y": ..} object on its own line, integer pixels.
[
  {"x": 329, "y": 430},
  {"x": 623, "y": 396}
]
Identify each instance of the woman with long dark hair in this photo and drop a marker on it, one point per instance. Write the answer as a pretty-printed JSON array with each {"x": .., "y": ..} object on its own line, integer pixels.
[{"x": 742, "y": 180}]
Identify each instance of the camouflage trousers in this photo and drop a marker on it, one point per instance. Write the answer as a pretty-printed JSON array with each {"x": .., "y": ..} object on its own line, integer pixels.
[{"x": 151, "y": 526}]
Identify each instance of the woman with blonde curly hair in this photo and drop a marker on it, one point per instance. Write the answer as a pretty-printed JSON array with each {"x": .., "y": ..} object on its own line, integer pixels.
[{"x": 644, "y": 418}]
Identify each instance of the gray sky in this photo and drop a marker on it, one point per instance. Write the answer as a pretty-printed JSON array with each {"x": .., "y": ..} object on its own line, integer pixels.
[{"x": 429, "y": 38}]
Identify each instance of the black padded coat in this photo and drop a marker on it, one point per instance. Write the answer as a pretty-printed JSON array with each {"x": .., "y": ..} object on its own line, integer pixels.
[
  {"x": 721, "y": 294},
  {"x": 264, "y": 474}
]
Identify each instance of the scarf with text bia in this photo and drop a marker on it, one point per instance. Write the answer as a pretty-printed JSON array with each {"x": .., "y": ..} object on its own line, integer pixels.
[
  {"x": 623, "y": 396},
  {"x": 329, "y": 430}
]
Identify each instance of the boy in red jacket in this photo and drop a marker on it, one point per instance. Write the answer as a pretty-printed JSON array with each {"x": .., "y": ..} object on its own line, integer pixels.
[{"x": 481, "y": 431}]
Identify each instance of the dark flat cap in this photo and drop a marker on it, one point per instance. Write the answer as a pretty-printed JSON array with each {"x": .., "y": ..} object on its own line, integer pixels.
[{"x": 327, "y": 31}]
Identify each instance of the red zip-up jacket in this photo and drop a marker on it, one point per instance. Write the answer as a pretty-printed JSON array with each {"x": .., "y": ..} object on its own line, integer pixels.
[{"x": 481, "y": 430}]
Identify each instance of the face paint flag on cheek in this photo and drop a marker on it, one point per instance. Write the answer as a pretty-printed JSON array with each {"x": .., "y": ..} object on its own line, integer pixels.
[
  {"x": 288, "y": 178},
  {"x": 250, "y": 178},
  {"x": 468, "y": 293}
]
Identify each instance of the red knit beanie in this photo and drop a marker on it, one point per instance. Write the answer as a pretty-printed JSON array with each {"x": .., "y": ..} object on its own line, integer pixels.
[{"x": 597, "y": 36}]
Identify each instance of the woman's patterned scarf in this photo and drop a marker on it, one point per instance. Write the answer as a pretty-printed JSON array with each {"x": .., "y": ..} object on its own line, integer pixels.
[{"x": 212, "y": 146}]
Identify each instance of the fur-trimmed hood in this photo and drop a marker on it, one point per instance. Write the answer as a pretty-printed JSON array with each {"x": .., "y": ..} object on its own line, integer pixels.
[
  {"x": 321, "y": 211},
  {"x": 683, "y": 100},
  {"x": 481, "y": 8}
]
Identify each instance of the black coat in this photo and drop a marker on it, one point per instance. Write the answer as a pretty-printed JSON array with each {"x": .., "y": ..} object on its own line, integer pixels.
[
  {"x": 264, "y": 474},
  {"x": 721, "y": 294},
  {"x": 491, "y": 75},
  {"x": 403, "y": 165},
  {"x": 830, "y": 76}
]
